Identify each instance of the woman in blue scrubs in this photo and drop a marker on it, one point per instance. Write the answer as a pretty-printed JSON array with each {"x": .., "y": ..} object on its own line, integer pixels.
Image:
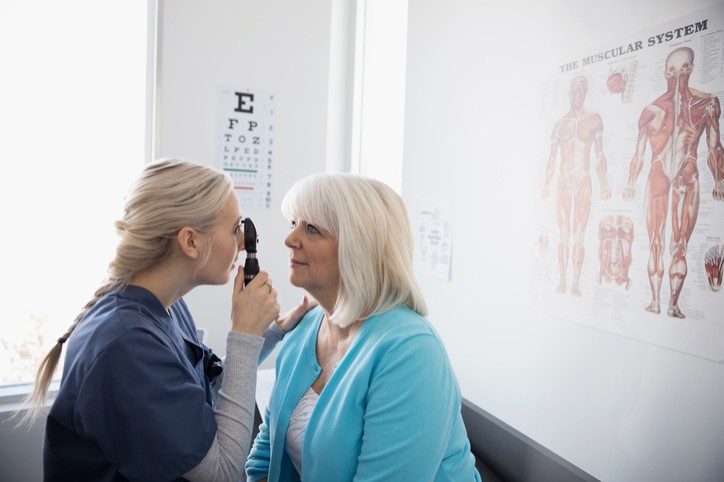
[
  {"x": 364, "y": 389},
  {"x": 141, "y": 397}
]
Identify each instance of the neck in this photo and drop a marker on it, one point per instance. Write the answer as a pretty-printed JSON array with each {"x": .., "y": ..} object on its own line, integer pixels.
[
  {"x": 577, "y": 110},
  {"x": 164, "y": 281},
  {"x": 679, "y": 84},
  {"x": 336, "y": 333}
]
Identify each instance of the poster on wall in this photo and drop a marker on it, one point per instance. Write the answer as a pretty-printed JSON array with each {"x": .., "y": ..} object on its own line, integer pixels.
[
  {"x": 433, "y": 246},
  {"x": 630, "y": 212},
  {"x": 244, "y": 145}
]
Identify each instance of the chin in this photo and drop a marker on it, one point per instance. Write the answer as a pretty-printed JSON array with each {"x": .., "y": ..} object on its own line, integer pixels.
[
  {"x": 221, "y": 280},
  {"x": 293, "y": 282}
]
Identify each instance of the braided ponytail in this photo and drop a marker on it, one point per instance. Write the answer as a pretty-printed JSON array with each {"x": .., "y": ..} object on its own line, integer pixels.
[{"x": 168, "y": 195}]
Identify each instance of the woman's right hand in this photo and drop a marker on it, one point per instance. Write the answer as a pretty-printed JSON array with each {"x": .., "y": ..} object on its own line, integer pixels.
[{"x": 254, "y": 306}]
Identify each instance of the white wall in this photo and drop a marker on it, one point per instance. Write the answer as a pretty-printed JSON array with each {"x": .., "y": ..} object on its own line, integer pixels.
[
  {"x": 285, "y": 48},
  {"x": 618, "y": 408},
  {"x": 276, "y": 46}
]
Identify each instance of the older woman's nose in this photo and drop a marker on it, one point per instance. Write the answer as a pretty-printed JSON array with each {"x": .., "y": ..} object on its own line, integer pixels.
[{"x": 292, "y": 239}]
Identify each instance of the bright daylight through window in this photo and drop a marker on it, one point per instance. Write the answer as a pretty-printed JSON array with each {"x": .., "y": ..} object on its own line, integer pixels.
[{"x": 73, "y": 96}]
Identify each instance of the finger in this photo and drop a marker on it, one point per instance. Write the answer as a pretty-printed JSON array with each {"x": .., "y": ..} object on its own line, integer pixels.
[
  {"x": 259, "y": 280},
  {"x": 301, "y": 309},
  {"x": 239, "y": 280},
  {"x": 306, "y": 305},
  {"x": 311, "y": 303}
]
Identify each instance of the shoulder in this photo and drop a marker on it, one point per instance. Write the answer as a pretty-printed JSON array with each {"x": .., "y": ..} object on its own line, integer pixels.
[
  {"x": 115, "y": 323},
  {"x": 706, "y": 101},
  {"x": 401, "y": 327},
  {"x": 705, "y": 96},
  {"x": 595, "y": 118},
  {"x": 401, "y": 347},
  {"x": 401, "y": 321}
]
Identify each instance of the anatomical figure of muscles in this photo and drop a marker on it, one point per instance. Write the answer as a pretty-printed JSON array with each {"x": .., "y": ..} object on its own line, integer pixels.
[
  {"x": 616, "y": 235},
  {"x": 672, "y": 125},
  {"x": 573, "y": 136},
  {"x": 622, "y": 80},
  {"x": 714, "y": 266}
]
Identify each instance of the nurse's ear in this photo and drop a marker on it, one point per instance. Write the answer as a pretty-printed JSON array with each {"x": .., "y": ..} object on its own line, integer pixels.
[{"x": 189, "y": 241}]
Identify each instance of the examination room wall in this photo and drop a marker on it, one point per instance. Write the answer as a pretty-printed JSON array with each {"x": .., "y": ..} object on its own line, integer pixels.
[
  {"x": 279, "y": 47},
  {"x": 615, "y": 406},
  {"x": 282, "y": 50},
  {"x": 477, "y": 140}
]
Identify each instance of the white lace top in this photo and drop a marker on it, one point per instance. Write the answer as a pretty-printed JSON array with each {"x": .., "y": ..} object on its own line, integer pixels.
[{"x": 298, "y": 425}]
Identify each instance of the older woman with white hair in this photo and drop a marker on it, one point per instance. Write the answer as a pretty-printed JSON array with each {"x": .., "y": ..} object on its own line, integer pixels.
[{"x": 364, "y": 389}]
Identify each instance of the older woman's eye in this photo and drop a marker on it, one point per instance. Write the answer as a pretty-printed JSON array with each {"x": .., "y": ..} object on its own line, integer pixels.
[
  {"x": 294, "y": 225},
  {"x": 312, "y": 229}
]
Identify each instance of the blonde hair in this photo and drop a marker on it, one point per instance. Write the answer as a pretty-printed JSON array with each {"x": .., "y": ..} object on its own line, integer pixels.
[
  {"x": 369, "y": 220},
  {"x": 168, "y": 195}
]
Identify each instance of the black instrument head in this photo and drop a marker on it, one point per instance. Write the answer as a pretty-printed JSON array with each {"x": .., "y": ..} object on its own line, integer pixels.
[{"x": 250, "y": 236}]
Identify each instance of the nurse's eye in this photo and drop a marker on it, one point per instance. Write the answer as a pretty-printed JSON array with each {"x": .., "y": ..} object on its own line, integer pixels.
[{"x": 239, "y": 227}]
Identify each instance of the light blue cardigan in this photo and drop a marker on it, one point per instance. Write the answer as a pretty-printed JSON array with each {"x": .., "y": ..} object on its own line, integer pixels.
[{"x": 391, "y": 410}]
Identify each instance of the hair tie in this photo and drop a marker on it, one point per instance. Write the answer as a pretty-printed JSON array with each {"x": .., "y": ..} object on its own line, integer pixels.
[{"x": 62, "y": 339}]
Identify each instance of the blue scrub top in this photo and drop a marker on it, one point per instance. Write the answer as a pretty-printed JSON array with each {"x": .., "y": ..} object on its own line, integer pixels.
[{"x": 134, "y": 401}]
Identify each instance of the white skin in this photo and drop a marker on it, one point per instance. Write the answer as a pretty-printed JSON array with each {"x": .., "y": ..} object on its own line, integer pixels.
[
  {"x": 314, "y": 266},
  {"x": 254, "y": 306}
]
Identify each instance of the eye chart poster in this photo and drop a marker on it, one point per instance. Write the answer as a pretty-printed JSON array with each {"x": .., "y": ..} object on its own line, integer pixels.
[
  {"x": 245, "y": 143},
  {"x": 631, "y": 187}
]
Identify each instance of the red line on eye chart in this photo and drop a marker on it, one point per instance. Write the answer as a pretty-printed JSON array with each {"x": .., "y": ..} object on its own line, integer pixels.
[{"x": 242, "y": 188}]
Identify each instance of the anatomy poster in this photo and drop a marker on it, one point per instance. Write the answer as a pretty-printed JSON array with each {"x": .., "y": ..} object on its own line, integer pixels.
[
  {"x": 434, "y": 228},
  {"x": 245, "y": 143},
  {"x": 630, "y": 208}
]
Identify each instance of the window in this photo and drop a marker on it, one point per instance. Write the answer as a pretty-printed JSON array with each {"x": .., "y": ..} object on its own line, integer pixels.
[
  {"x": 73, "y": 124},
  {"x": 379, "y": 93}
]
